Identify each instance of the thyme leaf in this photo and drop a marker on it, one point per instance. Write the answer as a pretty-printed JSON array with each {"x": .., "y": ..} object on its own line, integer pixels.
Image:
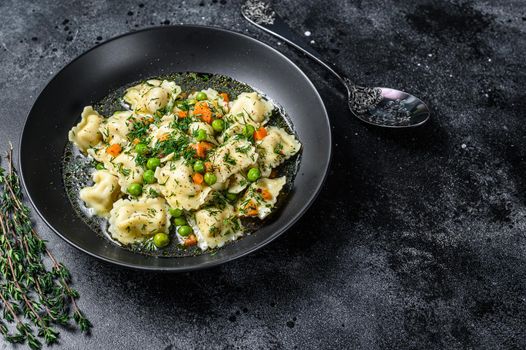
[{"x": 36, "y": 298}]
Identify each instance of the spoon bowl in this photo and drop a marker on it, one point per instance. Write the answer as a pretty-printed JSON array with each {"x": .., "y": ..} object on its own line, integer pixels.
[{"x": 387, "y": 107}]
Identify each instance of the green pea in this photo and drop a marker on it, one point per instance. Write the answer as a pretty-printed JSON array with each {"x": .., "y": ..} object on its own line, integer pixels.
[
  {"x": 201, "y": 96},
  {"x": 185, "y": 230},
  {"x": 248, "y": 130},
  {"x": 253, "y": 174},
  {"x": 218, "y": 125},
  {"x": 200, "y": 135},
  {"x": 141, "y": 148},
  {"x": 179, "y": 221},
  {"x": 176, "y": 212},
  {"x": 210, "y": 179},
  {"x": 135, "y": 189},
  {"x": 99, "y": 166},
  {"x": 149, "y": 177},
  {"x": 161, "y": 240},
  {"x": 199, "y": 166},
  {"x": 231, "y": 197},
  {"x": 153, "y": 163}
]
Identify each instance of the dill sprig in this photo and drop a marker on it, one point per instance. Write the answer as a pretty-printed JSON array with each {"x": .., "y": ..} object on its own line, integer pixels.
[{"x": 34, "y": 298}]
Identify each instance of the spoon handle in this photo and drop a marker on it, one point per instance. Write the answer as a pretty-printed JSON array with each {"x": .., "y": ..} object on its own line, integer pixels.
[{"x": 262, "y": 16}]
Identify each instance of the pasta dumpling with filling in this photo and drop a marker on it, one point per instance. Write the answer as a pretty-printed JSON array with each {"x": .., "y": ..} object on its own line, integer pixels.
[
  {"x": 125, "y": 168},
  {"x": 178, "y": 188},
  {"x": 236, "y": 124},
  {"x": 275, "y": 148},
  {"x": 216, "y": 98},
  {"x": 253, "y": 105},
  {"x": 116, "y": 128},
  {"x": 102, "y": 194},
  {"x": 260, "y": 197},
  {"x": 194, "y": 127},
  {"x": 233, "y": 156},
  {"x": 188, "y": 154},
  {"x": 217, "y": 226},
  {"x": 133, "y": 220},
  {"x": 151, "y": 191},
  {"x": 160, "y": 133},
  {"x": 237, "y": 183},
  {"x": 86, "y": 134},
  {"x": 152, "y": 95},
  {"x": 99, "y": 153}
]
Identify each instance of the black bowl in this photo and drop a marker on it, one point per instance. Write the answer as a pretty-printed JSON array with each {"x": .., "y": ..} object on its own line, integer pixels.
[{"x": 161, "y": 51}]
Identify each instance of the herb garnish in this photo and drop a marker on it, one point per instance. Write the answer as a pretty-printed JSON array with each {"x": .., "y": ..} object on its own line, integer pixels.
[
  {"x": 279, "y": 149},
  {"x": 228, "y": 159},
  {"x": 34, "y": 298},
  {"x": 138, "y": 130}
]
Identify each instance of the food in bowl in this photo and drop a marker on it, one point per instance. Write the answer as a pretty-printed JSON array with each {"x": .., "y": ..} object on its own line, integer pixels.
[{"x": 184, "y": 166}]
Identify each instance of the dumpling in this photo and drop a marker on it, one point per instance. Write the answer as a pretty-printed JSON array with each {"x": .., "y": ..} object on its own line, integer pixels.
[
  {"x": 237, "y": 183},
  {"x": 275, "y": 148},
  {"x": 260, "y": 197},
  {"x": 235, "y": 124},
  {"x": 253, "y": 104},
  {"x": 163, "y": 129},
  {"x": 193, "y": 127},
  {"x": 151, "y": 191},
  {"x": 126, "y": 169},
  {"x": 152, "y": 95},
  {"x": 99, "y": 153},
  {"x": 135, "y": 220},
  {"x": 86, "y": 134},
  {"x": 217, "y": 226},
  {"x": 102, "y": 194},
  {"x": 178, "y": 188},
  {"x": 116, "y": 128},
  {"x": 233, "y": 156},
  {"x": 213, "y": 95},
  {"x": 160, "y": 133}
]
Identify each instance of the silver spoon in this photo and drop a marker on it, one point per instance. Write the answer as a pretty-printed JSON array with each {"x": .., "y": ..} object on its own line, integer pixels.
[{"x": 378, "y": 106}]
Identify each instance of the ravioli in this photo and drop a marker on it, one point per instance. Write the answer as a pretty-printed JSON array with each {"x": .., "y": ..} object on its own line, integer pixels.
[
  {"x": 151, "y": 96},
  {"x": 116, "y": 128},
  {"x": 237, "y": 183},
  {"x": 235, "y": 155},
  {"x": 177, "y": 187},
  {"x": 275, "y": 148},
  {"x": 253, "y": 105},
  {"x": 189, "y": 153},
  {"x": 260, "y": 197},
  {"x": 217, "y": 226},
  {"x": 134, "y": 220},
  {"x": 102, "y": 194},
  {"x": 193, "y": 128},
  {"x": 86, "y": 133},
  {"x": 125, "y": 168}
]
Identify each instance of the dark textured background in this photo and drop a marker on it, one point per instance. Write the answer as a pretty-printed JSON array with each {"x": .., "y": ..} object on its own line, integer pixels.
[{"x": 417, "y": 241}]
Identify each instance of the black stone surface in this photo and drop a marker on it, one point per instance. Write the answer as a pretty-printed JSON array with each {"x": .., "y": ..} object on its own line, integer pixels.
[{"x": 418, "y": 240}]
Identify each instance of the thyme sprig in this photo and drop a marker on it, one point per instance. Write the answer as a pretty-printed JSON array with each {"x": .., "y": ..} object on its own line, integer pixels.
[{"x": 35, "y": 291}]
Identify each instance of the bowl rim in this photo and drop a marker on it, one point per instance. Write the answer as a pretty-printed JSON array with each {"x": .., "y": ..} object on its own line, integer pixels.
[{"x": 205, "y": 265}]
